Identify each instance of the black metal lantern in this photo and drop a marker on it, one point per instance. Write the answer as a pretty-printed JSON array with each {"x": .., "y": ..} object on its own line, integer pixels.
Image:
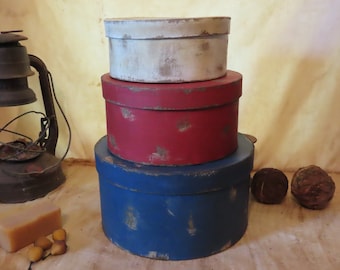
[{"x": 28, "y": 169}]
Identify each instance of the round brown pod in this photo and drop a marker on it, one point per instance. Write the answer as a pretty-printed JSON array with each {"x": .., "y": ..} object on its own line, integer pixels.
[
  {"x": 269, "y": 186},
  {"x": 312, "y": 187}
]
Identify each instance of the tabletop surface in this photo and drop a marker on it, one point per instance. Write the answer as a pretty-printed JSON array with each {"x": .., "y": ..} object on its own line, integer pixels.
[{"x": 284, "y": 236}]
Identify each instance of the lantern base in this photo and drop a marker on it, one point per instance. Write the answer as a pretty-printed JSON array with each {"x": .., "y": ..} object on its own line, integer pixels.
[{"x": 28, "y": 180}]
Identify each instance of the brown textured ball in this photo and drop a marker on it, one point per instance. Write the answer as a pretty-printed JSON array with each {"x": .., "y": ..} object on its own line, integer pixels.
[
  {"x": 312, "y": 187},
  {"x": 269, "y": 186}
]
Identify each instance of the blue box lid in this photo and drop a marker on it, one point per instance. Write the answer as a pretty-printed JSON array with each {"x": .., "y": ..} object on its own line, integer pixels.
[{"x": 176, "y": 180}]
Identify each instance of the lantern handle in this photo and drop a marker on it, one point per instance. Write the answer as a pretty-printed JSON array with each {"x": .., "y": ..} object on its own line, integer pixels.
[{"x": 50, "y": 141}]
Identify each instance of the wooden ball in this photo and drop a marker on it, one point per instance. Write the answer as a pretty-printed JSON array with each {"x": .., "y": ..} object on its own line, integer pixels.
[{"x": 269, "y": 186}]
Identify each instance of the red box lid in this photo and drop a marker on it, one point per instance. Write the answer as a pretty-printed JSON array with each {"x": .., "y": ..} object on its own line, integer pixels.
[{"x": 173, "y": 96}]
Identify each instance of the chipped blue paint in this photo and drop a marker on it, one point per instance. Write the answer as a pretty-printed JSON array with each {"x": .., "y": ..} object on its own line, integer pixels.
[{"x": 175, "y": 213}]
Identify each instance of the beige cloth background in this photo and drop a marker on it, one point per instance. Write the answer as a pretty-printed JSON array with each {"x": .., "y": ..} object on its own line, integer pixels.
[{"x": 288, "y": 52}]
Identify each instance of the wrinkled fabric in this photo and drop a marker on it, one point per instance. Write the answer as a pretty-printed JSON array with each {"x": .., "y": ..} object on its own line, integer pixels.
[{"x": 287, "y": 51}]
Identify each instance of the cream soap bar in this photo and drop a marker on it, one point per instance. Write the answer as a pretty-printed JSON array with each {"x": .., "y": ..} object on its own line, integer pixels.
[{"x": 22, "y": 227}]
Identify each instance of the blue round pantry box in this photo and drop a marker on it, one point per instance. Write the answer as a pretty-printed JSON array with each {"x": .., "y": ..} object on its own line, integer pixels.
[{"x": 175, "y": 212}]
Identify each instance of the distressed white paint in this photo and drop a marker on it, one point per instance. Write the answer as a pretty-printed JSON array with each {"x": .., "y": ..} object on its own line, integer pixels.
[{"x": 168, "y": 50}]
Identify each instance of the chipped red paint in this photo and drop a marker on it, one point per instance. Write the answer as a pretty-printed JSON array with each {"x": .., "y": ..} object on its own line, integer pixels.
[
  {"x": 173, "y": 96},
  {"x": 172, "y": 124}
]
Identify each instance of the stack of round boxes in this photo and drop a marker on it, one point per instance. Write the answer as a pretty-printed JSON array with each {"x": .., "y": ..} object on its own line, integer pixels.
[{"x": 173, "y": 170}]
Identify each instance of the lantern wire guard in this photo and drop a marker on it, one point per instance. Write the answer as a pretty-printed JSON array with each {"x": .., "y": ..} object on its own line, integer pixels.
[{"x": 29, "y": 168}]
